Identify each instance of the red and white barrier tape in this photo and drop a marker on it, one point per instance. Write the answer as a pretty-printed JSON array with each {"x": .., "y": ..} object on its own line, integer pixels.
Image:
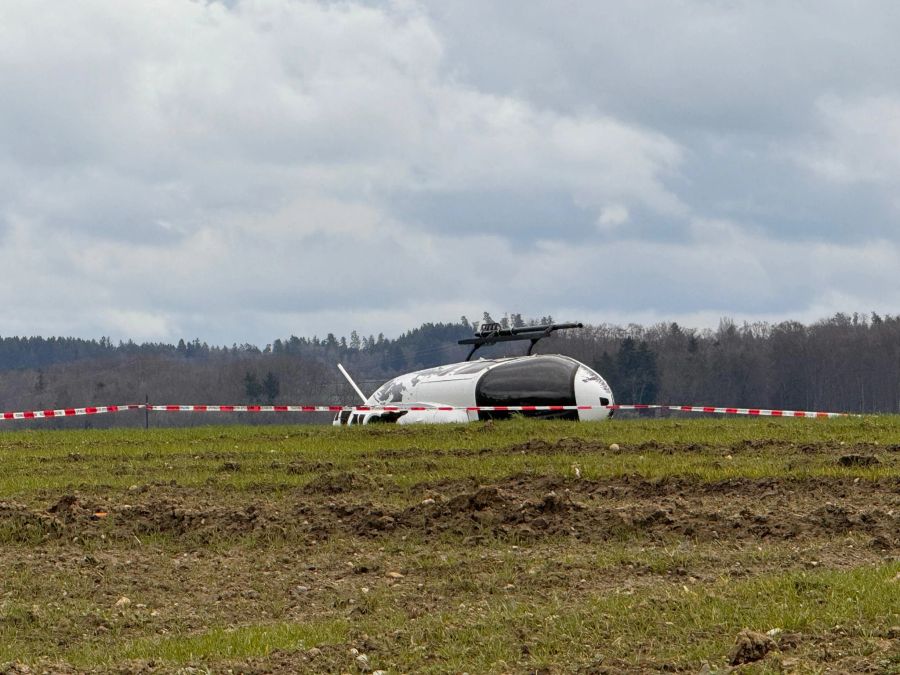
[
  {"x": 69, "y": 412},
  {"x": 252, "y": 408},
  {"x": 718, "y": 410},
  {"x": 762, "y": 412},
  {"x": 99, "y": 410}
]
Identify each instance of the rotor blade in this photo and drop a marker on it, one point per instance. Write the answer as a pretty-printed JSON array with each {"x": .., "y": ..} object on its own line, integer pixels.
[{"x": 352, "y": 383}]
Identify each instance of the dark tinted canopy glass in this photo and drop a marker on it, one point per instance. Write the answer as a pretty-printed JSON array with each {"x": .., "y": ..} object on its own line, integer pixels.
[{"x": 542, "y": 380}]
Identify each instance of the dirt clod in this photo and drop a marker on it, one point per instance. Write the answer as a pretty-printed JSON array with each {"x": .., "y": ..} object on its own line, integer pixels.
[
  {"x": 65, "y": 504},
  {"x": 750, "y": 646}
]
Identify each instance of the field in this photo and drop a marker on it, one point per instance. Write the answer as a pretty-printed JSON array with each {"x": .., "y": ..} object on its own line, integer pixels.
[{"x": 520, "y": 546}]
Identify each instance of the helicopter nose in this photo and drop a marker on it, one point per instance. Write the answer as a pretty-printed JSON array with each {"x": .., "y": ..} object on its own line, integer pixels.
[{"x": 592, "y": 390}]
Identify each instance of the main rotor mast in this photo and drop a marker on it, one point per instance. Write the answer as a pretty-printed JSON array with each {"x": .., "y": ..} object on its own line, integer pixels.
[{"x": 492, "y": 333}]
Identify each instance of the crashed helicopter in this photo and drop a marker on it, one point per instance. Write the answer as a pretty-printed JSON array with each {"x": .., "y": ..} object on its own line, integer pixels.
[{"x": 530, "y": 380}]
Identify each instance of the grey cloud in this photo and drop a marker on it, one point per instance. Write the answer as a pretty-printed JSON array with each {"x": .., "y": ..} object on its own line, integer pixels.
[
  {"x": 740, "y": 67},
  {"x": 528, "y": 214},
  {"x": 300, "y": 95},
  {"x": 740, "y": 85},
  {"x": 245, "y": 170},
  {"x": 770, "y": 190}
]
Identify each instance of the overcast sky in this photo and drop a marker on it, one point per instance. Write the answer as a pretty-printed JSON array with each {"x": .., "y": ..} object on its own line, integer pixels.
[{"x": 245, "y": 170}]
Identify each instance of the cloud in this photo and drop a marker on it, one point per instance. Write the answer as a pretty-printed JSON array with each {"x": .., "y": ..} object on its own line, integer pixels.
[
  {"x": 738, "y": 86},
  {"x": 325, "y": 266},
  {"x": 859, "y": 140},
  {"x": 612, "y": 216},
  {"x": 253, "y": 169},
  {"x": 688, "y": 66},
  {"x": 197, "y": 106}
]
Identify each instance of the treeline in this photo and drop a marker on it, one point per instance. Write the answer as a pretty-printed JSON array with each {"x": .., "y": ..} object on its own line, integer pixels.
[
  {"x": 419, "y": 347},
  {"x": 18, "y": 353},
  {"x": 42, "y": 373},
  {"x": 846, "y": 362}
]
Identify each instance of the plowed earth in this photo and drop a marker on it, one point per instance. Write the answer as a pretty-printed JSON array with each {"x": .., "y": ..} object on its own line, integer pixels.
[
  {"x": 322, "y": 564},
  {"x": 522, "y": 508}
]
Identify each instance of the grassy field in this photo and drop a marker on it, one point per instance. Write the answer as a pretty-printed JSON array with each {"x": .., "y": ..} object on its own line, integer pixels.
[{"x": 519, "y": 546}]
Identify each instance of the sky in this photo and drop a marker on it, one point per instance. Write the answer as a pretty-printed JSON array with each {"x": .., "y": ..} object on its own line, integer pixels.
[{"x": 246, "y": 170}]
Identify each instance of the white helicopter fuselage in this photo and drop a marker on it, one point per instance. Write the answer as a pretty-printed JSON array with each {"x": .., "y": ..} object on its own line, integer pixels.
[{"x": 513, "y": 381}]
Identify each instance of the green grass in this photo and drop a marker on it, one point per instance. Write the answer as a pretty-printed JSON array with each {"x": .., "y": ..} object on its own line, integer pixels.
[
  {"x": 493, "y": 603},
  {"x": 705, "y": 449},
  {"x": 675, "y": 624},
  {"x": 219, "y": 643}
]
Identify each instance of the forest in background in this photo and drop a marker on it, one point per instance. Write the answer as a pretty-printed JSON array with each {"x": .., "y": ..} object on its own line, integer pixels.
[{"x": 843, "y": 363}]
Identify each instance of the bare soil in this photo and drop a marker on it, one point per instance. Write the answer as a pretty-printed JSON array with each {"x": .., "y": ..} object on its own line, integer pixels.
[
  {"x": 188, "y": 558},
  {"x": 522, "y": 507}
]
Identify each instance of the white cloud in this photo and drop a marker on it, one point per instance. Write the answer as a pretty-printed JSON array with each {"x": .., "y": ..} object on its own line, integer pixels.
[
  {"x": 194, "y": 105},
  {"x": 188, "y": 145},
  {"x": 189, "y": 168},
  {"x": 859, "y": 140},
  {"x": 250, "y": 282},
  {"x": 612, "y": 217}
]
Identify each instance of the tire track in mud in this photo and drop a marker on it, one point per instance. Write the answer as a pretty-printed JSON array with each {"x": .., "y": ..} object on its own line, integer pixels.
[{"x": 523, "y": 507}]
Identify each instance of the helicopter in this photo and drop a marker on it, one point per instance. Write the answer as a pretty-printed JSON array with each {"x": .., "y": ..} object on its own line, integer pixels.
[{"x": 529, "y": 380}]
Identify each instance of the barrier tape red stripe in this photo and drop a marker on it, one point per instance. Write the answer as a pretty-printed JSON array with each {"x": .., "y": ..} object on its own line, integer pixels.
[
  {"x": 99, "y": 410},
  {"x": 69, "y": 412}
]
